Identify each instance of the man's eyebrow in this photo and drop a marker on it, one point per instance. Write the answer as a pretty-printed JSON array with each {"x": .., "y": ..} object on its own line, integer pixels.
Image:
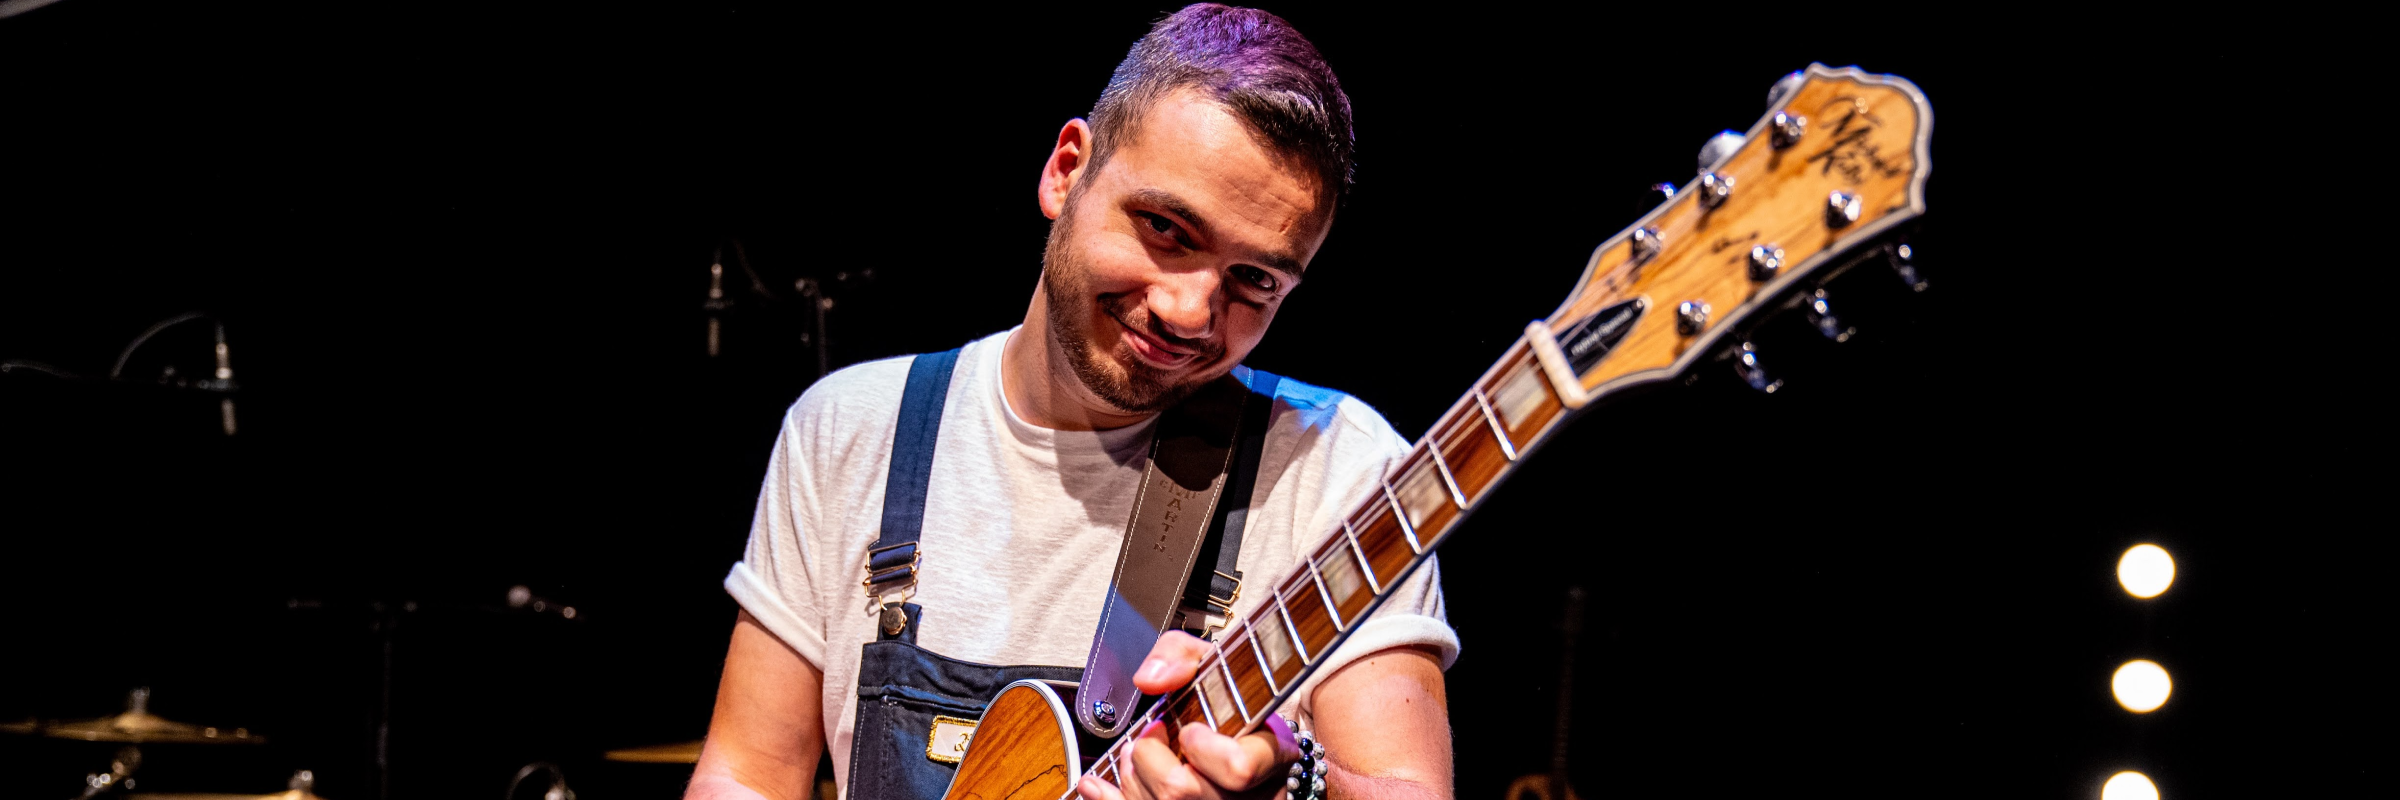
[
  {"x": 1282, "y": 263},
  {"x": 1175, "y": 205}
]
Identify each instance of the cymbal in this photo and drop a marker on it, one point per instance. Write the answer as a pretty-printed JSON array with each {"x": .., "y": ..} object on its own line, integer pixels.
[
  {"x": 677, "y": 753},
  {"x": 294, "y": 794},
  {"x": 143, "y": 727}
]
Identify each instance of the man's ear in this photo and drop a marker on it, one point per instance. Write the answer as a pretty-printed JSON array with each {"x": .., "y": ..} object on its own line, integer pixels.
[{"x": 1065, "y": 167}]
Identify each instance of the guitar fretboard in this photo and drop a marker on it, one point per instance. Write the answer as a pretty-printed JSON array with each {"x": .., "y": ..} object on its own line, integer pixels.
[{"x": 1262, "y": 659}]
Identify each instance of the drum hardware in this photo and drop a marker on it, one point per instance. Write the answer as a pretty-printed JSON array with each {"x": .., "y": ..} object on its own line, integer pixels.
[
  {"x": 303, "y": 787},
  {"x": 677, "y": 753},
  {"x": 689, "y": 753},
  {"x": 384, "y": 619},
  {"x": 118, "y": 776},
  {"x": 558, "y": 781}
]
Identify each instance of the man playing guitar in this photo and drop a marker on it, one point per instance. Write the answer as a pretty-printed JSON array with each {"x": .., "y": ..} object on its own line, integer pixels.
[{"x": 1185, "y": 210}]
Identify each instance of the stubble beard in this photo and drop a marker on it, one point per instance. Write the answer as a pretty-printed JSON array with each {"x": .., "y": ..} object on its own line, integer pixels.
[{"x": 1110, "y": 371}]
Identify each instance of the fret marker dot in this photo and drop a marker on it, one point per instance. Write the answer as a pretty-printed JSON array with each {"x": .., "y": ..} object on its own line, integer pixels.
[
  {"x": 2141, "y": 686},
  {"x": 2129, "y": 786},
  {"x": 2146, "y": 570}
]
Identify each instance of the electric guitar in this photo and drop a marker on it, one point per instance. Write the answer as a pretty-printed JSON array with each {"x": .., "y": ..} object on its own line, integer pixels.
[{"x": 1817, "y": 186}]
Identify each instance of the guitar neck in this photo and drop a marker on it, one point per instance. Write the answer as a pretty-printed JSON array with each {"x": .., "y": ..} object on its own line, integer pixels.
[
  {"x": 1809, "y": 197},
  {"x": 1264, "y": 658}
]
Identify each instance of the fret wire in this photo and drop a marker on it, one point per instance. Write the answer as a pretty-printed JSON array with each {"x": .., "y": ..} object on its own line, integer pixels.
[
  {"x": 1350, "y": 535},
  {"x": 1267, "y": 672},
  {"x": 1299, "y": 648},
  {"x": 1433, "y": 447},
  {"x": 1233, "y": 687},
  {"x": 1400, "y": 515},
  {"x": 1201, "y": 698},
  {"x": 1332, "y": 612},
  {"x": 1500, "y": 432},
  {"x": 1249, "y": 633}
]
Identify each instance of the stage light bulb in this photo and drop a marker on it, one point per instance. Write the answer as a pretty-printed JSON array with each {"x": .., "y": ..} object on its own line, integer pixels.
[
  {"x": 2141, "y": 686},
  {"x": 2146, "y": 570},
  {"x": 2129, "y": 786}
]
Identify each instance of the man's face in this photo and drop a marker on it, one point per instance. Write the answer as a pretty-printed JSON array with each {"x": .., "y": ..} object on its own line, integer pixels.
[{"x": 1166, "y": 266}]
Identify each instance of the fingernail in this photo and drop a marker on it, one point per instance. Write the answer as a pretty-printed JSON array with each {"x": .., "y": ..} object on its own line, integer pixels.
[{"x": 1152, "y": 670}]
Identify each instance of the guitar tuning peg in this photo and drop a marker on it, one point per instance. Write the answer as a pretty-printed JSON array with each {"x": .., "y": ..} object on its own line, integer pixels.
[
  {"x": 1718, "y": 148},
  {"x": 1657, "y": 195},
  {"x": 1746, "y": 364},
  {"x": 1784, "y": 87},
  {"x": 1903, "y": 259},
  {"x": 1821, "y": 316}
]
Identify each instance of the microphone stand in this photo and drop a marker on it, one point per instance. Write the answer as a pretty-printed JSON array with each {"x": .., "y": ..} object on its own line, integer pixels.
[
  {"x": 386, "y": 626},
  {"x": 813, "y": 291},
  {"x": 385, "y": 618},
  {"x": 218, "y": 383}
]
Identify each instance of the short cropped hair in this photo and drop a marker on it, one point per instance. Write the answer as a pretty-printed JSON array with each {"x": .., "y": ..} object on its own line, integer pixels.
[{"x": 1254, "y": 63}]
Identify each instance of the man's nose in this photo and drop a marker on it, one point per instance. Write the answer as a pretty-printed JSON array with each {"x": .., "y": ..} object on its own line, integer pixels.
[{"x": 1185, "y": 304}]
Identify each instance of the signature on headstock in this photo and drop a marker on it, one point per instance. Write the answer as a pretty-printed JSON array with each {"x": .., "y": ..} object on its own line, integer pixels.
[{"x": 1854, "y": 151}]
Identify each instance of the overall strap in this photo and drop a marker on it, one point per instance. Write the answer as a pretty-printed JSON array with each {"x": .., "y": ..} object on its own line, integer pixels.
[{"x": 892, "y": 560}]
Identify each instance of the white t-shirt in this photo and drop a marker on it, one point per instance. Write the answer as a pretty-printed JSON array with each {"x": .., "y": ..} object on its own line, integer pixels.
[{"x": 1022, "y": 524}]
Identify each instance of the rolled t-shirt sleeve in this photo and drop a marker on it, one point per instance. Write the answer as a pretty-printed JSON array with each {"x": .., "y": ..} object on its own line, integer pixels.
[
  {"x": 818, "y": 507},
  {"x": 773, "y": 581}
]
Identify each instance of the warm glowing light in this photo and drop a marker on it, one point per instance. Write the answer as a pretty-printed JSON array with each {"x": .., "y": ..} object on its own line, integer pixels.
[
  {"x": 2146, "y": 570},
  {"x": 2141, "y": 686},
  {"x": 2129, "y": 786}
]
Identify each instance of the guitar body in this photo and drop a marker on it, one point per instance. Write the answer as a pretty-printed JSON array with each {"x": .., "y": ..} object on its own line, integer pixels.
[{"x": 1024, "y": 748}]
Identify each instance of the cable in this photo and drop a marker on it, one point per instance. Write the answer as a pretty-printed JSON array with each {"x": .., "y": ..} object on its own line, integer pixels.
[
  {"x": 116, "y": 371},
  {"x": 30, "y": 365},
  {"x": 741, "y": 258}
]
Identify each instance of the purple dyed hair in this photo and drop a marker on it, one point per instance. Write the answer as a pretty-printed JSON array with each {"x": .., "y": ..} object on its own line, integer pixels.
[{"x": 1251, "y": 61}]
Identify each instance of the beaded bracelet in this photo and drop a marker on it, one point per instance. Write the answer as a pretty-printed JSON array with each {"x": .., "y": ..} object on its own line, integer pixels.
[{"x": 1307, "y": 777}]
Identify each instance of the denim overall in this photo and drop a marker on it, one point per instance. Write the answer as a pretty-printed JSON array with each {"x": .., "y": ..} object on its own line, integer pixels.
[{"x": 902, "y": 687}]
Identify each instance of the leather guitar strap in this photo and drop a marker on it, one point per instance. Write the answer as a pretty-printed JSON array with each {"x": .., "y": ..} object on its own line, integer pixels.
[
  {"x": 1208, "y": 597},
  {"x": 1176, "y": 516}
]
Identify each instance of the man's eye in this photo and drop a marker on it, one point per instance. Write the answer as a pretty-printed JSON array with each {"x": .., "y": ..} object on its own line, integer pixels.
[
  {"x": 1255, "y": 276},
  {"x": 1159, "y": 223}
]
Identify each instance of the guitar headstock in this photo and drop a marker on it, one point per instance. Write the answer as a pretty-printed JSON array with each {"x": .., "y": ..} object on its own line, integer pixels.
[{"x": 1837, "y": 161}]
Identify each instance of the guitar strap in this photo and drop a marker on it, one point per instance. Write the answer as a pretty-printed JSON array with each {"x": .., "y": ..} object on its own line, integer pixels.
[{"x": 1188, "y": 516}]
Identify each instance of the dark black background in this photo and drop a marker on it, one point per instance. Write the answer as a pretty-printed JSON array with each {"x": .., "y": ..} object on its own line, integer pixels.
[{"x": 461, "y": 251}]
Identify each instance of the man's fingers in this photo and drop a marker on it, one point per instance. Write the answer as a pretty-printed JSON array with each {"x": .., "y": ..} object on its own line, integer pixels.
[
  {"x": 1093, "y": 788},
  {"x": 1235, "y": 764},
  {"x": 1172, "y": 662},
  {"x": 1152, "y": 771}
]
